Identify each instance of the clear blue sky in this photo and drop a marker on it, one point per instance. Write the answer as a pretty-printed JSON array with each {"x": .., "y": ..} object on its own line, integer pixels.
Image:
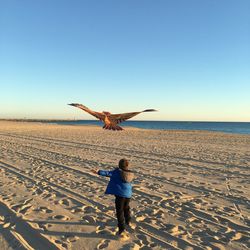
[{"x": 188, "y": 59}]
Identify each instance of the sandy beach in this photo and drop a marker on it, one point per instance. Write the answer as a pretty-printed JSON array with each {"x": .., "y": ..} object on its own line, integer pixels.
[{"x": 192, "y": 189}]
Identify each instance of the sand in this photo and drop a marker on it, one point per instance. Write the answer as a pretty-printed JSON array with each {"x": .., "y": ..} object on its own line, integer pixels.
[{"x": 192, "y": 188}]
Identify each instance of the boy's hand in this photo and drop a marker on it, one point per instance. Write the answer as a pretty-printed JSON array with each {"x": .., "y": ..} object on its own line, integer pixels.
[{"x": 95, "y": 171}]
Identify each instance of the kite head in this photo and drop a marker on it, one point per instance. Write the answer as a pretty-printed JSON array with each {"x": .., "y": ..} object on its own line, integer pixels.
[{"x": 106, "y": 113}]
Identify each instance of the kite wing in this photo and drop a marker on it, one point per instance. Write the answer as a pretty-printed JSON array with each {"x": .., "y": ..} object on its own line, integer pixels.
[
  {"x": 98, "y": 115},
  {"x": 125, "y": 116}
]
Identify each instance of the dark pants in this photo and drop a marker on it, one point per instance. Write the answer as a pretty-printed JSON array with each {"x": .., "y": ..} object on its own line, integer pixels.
[{"x": 122, "y": 212}]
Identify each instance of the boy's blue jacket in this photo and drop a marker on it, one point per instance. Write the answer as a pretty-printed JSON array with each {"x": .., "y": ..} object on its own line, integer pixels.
[{"x": 116, "y": 185}]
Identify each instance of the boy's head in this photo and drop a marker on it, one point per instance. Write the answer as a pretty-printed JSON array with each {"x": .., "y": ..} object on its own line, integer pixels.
[{"x": 123, "y": 164}]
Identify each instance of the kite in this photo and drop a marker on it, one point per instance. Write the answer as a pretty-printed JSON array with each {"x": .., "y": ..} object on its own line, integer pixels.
[{"x": 110, "y": 120}]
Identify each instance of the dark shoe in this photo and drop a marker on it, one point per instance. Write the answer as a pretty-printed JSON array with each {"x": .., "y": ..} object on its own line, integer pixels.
[
  {"x": 120, "y": 231},
  {"x": 124, "y": 236}
]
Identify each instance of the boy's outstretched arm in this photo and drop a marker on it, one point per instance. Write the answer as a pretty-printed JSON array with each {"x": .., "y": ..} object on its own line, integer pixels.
[{"x": 105, "y": 173}]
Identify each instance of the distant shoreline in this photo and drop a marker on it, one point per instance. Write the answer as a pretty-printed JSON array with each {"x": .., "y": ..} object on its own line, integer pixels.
[
  {"x": 226, "y": 127},
  {"x": 39, "y": 120}
]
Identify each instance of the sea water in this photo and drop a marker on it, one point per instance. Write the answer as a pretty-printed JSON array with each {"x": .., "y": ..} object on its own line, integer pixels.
[{"x": 227, "y": 127}]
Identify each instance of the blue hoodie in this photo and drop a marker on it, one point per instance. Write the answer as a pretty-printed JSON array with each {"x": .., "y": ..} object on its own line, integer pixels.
[{"x": 117, "y": 185}]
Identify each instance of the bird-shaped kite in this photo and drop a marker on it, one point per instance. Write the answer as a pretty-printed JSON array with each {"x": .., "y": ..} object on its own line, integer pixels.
[{"x": 110, "y": 120}]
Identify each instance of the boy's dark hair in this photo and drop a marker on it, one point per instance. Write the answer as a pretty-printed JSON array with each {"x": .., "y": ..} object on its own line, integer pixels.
[{"x": 123, "y": 164}]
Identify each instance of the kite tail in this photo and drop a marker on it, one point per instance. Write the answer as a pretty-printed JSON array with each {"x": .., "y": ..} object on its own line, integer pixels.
[{"x": 112, "y": 127}]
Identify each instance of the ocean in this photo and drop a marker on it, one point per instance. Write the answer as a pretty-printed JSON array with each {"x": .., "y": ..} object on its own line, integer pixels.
[{"x": 226, "y": 127}]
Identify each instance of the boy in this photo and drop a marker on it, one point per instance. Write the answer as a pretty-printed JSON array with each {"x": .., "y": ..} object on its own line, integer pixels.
[{"x": 120, "y": 186}]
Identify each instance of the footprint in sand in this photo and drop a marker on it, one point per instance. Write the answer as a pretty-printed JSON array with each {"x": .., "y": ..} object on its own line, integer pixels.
[
  {"x": 48, "y": 195},
  {"x": 43, "y": 226},
  {"x": 103, "y": 244},
  {"x": 89, "y": 209},
  {"x": 158, "y": 213},
  {"x": 8, "y": 197},
  {"x": 142, "y": 240},
  {"x": 233, "y": 236},
  {"x": 229, "y": 209},
  {"x": 77, "y": 210},
  {"x": 37, "y": 191},
  {"x": 2, "y": 219},
  {"x": 146, "y": 202},
  {"x": 60, "y": 217},
  {"x": 190, "y": 221},
  {"x": 65, "y": 202},
  {"x": 25, "y": 209},
  {"x": 45, "y": 210},
  {"x": 64, "y": 245},
  {"x": 175, "y": 229},
  {"x": 6, "y": 223},
  {"x": 70, "y": 238},
  {"x": 103, "y": 230},
  {"x": 142, "y": 237},
  {"x": 89, "y": 219}
]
